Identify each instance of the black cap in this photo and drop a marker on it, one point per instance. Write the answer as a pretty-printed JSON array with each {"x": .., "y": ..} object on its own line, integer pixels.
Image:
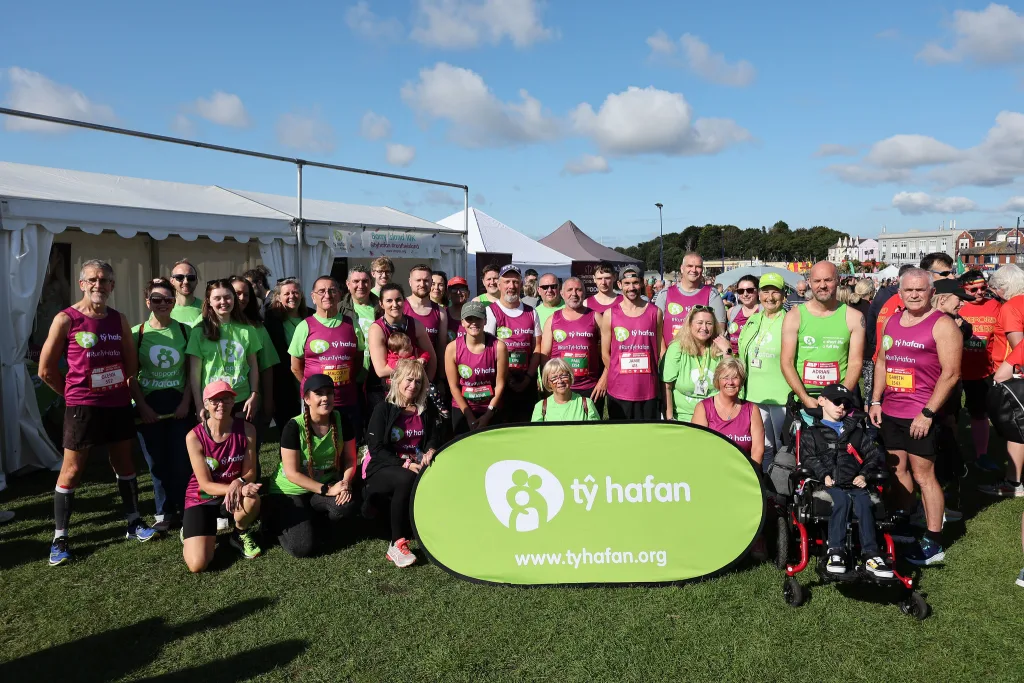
[
  {"x": 316, "y": 383},
  {"x": 947, "y": 286},
  {"x": 839, "y": 395}
]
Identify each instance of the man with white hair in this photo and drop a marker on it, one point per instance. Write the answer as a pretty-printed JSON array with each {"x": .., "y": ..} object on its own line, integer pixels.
[
  {"x": 918, "y": 367},
  {"x": 822, "y": 340}
]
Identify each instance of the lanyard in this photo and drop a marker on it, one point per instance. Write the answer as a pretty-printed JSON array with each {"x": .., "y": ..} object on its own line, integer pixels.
[
  {"x": 759, "y": 339},
  {"x": 701, "y": 366}
]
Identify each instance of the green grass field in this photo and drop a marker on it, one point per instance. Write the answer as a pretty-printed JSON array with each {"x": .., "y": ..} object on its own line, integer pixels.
[{"x": 127, "y": 611}]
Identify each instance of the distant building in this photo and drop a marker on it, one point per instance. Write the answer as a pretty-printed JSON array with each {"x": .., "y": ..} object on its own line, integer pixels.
[
  {"x": 897, "y": 248},
  {"x": 993, "y": 254},
  {"x": 971, "y": 239},
  {"x": 853, "y": 249}
]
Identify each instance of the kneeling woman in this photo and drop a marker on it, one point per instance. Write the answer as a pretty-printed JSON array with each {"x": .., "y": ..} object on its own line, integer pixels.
[
  {"x": 222, "y": 450},
  {"x": 318, "y": 461},
  {"x": 729, "y": 415},
  {"x": 402, "y": 437},
  {"x": 563, "y": 405}
]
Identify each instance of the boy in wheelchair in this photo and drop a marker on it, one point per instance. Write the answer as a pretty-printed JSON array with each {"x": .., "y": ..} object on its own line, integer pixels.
[{"x": 838, "y": 449}]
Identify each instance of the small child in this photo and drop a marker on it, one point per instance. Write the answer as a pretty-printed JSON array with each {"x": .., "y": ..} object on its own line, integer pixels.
[
  {"x": 400, "y": 348},
  {"x": 839, "y": 451}
]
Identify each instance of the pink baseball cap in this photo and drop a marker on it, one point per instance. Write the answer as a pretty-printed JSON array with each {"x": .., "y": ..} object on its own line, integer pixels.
[{"x": 216, "y": 389}]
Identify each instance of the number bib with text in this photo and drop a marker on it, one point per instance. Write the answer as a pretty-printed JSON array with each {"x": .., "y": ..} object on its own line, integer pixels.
[
  {"x": 107, "y": 378},
  {"x": 578, "y": 361},
  {"x": 634, "y": 364},
  {"x": 339, "y": 374},
  {"x": 821, "y": 374},
  {"x": 900, "y": 381}
]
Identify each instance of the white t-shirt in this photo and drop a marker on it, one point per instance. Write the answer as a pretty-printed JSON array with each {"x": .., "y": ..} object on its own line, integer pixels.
[{"x": 492, "y": 325}]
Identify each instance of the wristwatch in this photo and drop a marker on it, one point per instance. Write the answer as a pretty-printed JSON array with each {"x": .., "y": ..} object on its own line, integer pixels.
[
  {"x": 324, "y": 489},
  {"x": 927, "y": 413}
]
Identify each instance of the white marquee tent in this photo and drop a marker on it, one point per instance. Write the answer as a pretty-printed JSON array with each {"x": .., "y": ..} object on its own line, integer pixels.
[
  {"x": 125, "y": 221},
  {"x": 487, "y": 234}
]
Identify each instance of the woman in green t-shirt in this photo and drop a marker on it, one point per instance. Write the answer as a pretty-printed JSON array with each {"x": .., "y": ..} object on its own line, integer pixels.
[
  {"x": 285, "y": 313},
  {"x": 562, "y": 405},
  {"x": 318, "y": 461},
  {"x": 163, "y": 401},
  {"x": 688, "y": 368},
  {"x": 266, "y": 358},
  {"x": 223, "y": 346}
]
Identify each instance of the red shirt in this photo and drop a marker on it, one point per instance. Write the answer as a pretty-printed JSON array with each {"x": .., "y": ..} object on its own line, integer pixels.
[
  {"x": 1009, "y": 319},
  {"x": 1016, "y": 358},
  {"x": 977, "y": 361},
  {"x": 893, "y": 304}
]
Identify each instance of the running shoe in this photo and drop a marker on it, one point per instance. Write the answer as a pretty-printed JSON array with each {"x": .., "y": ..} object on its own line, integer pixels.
[
  {"x": 926, "y": 552},
  {"x": 6, "y": 516},
  {"x": 985, "y": 464},
  {"x": 1020, "y": 579},
  {"x": 836, "y": 562},
  {"x": 59, "y": 553},
  {"x": 139, "y": 530},
  {"x": 1003, "y": 489},
  {"x": 162, "y": 526},
  {"x": 246, "y": 544},
  {"x": 877, "y": 567},
  {"x": 399, "y": 553},
  {"x": 223, "y": 524}
]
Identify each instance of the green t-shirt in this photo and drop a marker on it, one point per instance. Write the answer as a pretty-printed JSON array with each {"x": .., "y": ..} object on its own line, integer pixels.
[
  {"x": 484, "y": 299},
  {"x": 267, "y": 356},
  {"x": 323, "y": 455},
  {"x": 545, "y": 312},
  {"x": 190, "y": 314},
  {"x": 297, "y": 347},
  {"x": 226, "y": 359},
  {"x": 823, "y": 348},
  {"x": 687, "y": 371},
  {"x": 571, "y": 411},
  {"x": 760, "y": 350},
  {"x": 161, "y": 357},
  {"x": 365, "y": 313}
]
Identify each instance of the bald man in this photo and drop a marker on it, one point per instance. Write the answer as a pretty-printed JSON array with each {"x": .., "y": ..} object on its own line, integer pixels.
[{"x": 822, "y": 340}]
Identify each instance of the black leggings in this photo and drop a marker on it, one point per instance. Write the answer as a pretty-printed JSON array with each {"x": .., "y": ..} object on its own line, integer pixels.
[
  {"x": 632, "y": 410},
  {"x": 292, "y": 518},
  {"x": 396, "y": 482}
]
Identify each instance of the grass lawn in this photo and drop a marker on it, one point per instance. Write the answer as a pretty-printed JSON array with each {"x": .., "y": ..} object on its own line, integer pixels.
[{"x": 128, "y": 611}]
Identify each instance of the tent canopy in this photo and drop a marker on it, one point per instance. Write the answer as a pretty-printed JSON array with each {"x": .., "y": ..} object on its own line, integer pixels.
[
  {"x": 731, "y": 277},
  {"x": 577, "y": 245}
]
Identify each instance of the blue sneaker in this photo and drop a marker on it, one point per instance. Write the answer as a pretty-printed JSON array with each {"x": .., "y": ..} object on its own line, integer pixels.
[
  {"x": 985, "y": 464},
  {"x": 139, "y": 530},
  {"x": 927, "y": 552},
  {"x": 59, "y": 553}
]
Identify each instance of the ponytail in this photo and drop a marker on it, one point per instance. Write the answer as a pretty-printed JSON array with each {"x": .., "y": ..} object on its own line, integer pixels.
[
  {"x": 306, "y": 419},
  {"x": 335, "y": 417}
]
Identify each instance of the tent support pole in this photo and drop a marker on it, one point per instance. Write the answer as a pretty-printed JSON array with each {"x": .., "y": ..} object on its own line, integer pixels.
[
  {"x": 299, "y": 228},
  {"x": 465, "y": 233}
]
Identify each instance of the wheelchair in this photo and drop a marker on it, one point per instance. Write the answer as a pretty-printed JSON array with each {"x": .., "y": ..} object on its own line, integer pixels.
[{"x": 802, "y": 508}]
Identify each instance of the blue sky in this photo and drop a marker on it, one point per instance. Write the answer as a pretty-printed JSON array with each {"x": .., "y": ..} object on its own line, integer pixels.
[{"x": 849, "y": 115}]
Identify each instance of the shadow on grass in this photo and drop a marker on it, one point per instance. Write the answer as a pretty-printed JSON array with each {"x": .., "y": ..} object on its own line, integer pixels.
[{"x": 115, "y": 653}]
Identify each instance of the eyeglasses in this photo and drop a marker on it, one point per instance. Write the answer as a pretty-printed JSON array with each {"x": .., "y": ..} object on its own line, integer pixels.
[
  {"x": 941, "y": 273},
  {"x": 333, "y": 291},
  {"x": 547, "y": 287},
  {"x": 746, "y": 290},
  {"x": 161, "y": 300},
  {"x": 976, "y": 290},
  {"x": 560, "y": 379},
  {"x": 181, "y": 278},
  {"x": 218, "y": 400},
  {"x": 101, "y": 281}
]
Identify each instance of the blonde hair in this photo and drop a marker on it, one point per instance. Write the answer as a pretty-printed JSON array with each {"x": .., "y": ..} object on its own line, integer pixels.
[
  {"x": 845, "y": 295},
  {"x": 555, "y": 366},
  {"x": 688, "y": 343},
  {"x": 864, "y": 289},
  {"x": 403, "y": 370},
  {"x": 730, "y": 364}
]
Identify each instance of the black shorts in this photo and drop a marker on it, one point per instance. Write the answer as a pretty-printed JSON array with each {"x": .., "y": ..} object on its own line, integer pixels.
[
  {"x": 895, "y": 435},
  {"x": 88, "y": 426},
  {"x": 201, "y": 520},
  {"x": 632, "y": 410},
  {"x": 976, "y": 391}
]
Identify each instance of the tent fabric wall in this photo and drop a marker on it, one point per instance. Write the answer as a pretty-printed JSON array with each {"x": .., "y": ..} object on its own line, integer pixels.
[
  {"x": 131, "y": 262},
  {"x": 25, "y": 253}
]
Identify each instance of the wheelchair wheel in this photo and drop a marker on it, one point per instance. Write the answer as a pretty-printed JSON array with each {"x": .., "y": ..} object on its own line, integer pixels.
[
  {"x": 916, "y": 606},
  {"x": 781, "y": 542},
  {"x": 793, "y": 593}
]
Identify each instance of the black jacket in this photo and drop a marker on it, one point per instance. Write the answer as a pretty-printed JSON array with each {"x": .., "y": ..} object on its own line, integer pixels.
[
  {"x": 348, "y": 308},
  {"x": 382, "y": 445},
  {"x": 840, "y": 456}
]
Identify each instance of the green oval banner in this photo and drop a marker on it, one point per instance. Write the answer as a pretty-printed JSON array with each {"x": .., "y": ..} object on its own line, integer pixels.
[{"x": 572, "y": 503}]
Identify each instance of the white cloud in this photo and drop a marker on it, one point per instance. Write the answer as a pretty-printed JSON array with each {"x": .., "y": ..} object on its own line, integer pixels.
[
  {"x": 855, "y": 174},
  {"x": 994, "y": 35},
  {"x": 478, "y": 118},
  {"x": 697, "y": 57},
  {"x": 306, "y": 132},
  {"x": 828, "y": 150},
  {"x": 34, "y": 92},
  {"x": 587, "y": 163},
  {"x": 374, "y": 126},
  {"x": 441, "y": 198},
  {"x": 400, "y": 155},
  {"x": 461, "y": 24},
  {"x": 183, "y": 126},
  {"x": 479, "y": 199},
  {"x": 224, "y": 109},
  {"x": 917, "y": 203},
  {"x": 652, "y": 121},
  {"x": 911, "y": 151},
  {"x": 363, "y": 22}
]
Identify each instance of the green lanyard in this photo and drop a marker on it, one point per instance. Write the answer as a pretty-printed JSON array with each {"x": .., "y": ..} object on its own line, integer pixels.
[{"x": 759, "y": 338}]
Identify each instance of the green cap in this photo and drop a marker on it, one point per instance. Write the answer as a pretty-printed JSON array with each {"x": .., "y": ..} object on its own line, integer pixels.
[
  {"x": 474, "y": 309},
  {"x": 772, "y": 280}
]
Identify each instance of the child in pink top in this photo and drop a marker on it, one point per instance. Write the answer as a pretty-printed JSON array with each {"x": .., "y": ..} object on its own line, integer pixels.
[{"x": 400, "y": 347}]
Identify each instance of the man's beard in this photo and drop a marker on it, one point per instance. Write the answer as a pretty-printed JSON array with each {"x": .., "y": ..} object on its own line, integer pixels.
[{"x": 510, "y": 299}]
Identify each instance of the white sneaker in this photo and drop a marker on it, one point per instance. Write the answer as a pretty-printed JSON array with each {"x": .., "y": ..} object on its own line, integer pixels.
[
  {"x": 223, "y": 525},
  {"x": 399, "y": 553},
  {"x": 1004, "y": 490}
]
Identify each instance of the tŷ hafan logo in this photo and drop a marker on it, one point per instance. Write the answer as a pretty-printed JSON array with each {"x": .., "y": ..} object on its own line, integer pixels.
[{"x": 523, "y": 496}]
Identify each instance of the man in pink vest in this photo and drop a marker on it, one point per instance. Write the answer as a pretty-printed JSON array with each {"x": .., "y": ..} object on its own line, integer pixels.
[
  {"x": 676, "y": 301},
  {"x": 516, "y": 324},
  {"x": 917, "y": 368}
]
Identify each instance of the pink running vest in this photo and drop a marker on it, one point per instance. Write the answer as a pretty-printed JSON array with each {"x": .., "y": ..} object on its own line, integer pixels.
[
  {"x": 518, "y": 334},
  {"x": 431, "y": 321},
  {"x": 334, "y": 356},
  {"x": 911, "y": 366},
  {"x": 578, "y": 343},
  {"x": 223, "y": 459},
  {"x": 477, "y": 373},
  {"x": 677, "y": 307},
  {"x": 593, "y": 304},
  {"x": 735, "y": 327},
  {"x": 96, "y": 373},
  {"x": 633, "y": 374},
  {"x": 737, "y": 429}
]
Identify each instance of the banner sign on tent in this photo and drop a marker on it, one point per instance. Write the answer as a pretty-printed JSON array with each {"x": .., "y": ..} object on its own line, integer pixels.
[
  {"x": 584, "y": 270},
  {"x": 392, "y": 243},
  {"x": 588, "y": 503}
]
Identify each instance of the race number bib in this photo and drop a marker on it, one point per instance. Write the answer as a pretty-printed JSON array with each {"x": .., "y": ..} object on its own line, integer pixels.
[
  {"x": 478, "y": 394},
  {"x": 675, "y": 328},
  {"x": 634, "y": 364},
  {"x": 517, "y": 360},
  {"x": 339, "y": 374},
  {"x": 900, "y": 381},
  {"x": 976, "y": 344},
  {"x": 107, "y": 378},
  {"x": 821, "y": 374},
  {"x": 578, "y": 362}
]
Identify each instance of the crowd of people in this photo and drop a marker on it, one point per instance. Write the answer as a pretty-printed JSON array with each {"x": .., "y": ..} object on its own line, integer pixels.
[{"x": 368, "y": 384}]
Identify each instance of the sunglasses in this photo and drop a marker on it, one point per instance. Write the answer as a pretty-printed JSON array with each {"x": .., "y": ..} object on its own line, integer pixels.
[
  {"x": 547, "y": 287},
  {"x": 702, "y": 309},
  {"x": 746, "y": 290},
  {"x": 161, "y": 300},
  {"x": 291, "y": 279},
  {"x": 941, "y": 273},
  {"x": 181, "y": 278}
]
